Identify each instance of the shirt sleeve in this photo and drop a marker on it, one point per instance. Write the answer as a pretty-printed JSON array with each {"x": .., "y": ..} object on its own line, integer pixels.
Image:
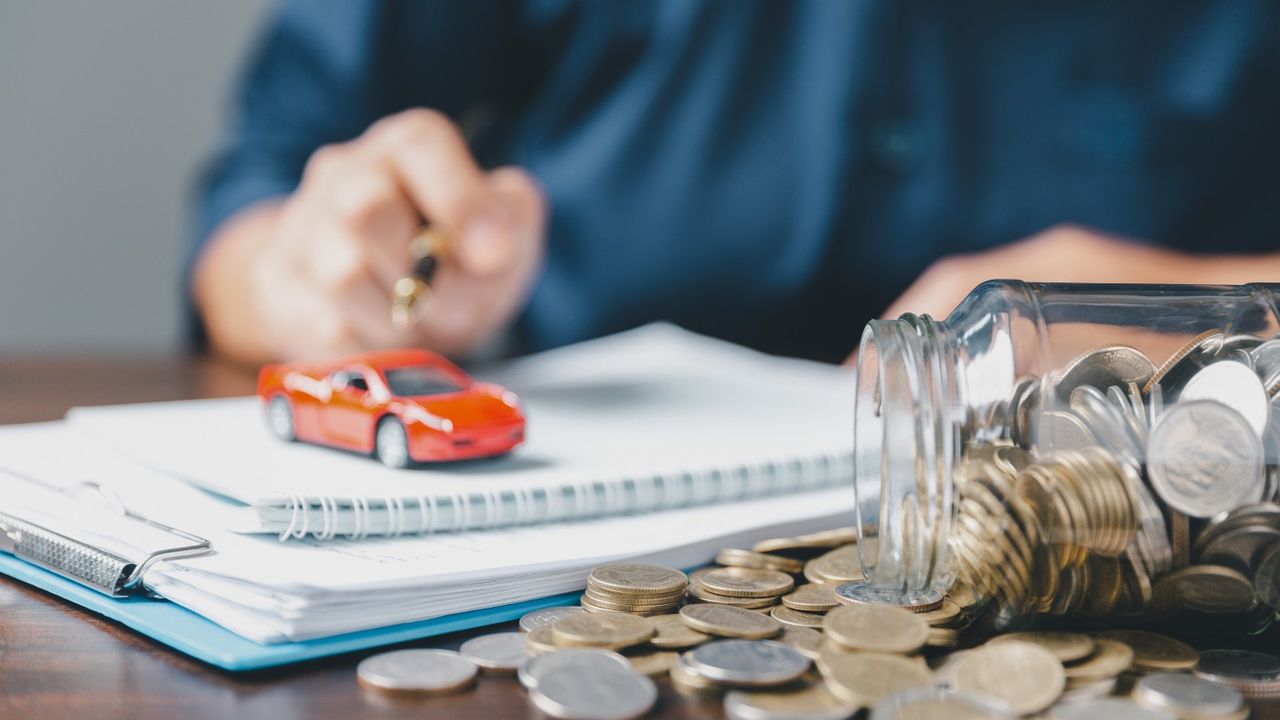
[{"x": 322, "y": 71}]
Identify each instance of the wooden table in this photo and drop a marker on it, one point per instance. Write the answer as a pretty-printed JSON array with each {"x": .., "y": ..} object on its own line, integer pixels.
[{"x": 57, "y": 661}]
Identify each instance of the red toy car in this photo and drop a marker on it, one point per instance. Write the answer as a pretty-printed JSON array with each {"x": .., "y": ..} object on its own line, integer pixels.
[{"x": 404, "y": 406}]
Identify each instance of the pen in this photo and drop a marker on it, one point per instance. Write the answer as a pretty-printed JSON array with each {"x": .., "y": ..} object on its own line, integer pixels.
[{"x": 411, "y": 291}]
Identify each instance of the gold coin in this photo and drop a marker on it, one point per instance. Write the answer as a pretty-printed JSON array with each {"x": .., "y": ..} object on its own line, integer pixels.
[
  {"x": 942, "y": 638},
  {"x": 947, "y": 615},
  {"x": 726, "y": 621},
  {"x": 697, "y": 591},
  {"x": 654, "y": 663},
  {"x": 624, "y": 602},
  {"x": 823, "y": 539},
  {"x": 1109, "y": 659},
  {"x": 637, "y": 579},
  {"x": 866, "y": 678},
  {"x": 876, "y": 628},
  {"x": 1067, "y": 647},
  {"x": 590, "y": 606},
  {"x": 1152, "y": 652},
  {"x": 1027, "y": 677},
  {"x": 806, "y": 640},
  {"x": 609, "y": 630},
  {"x": 811, "y": 597},
  {"x": 733, "y": 557},
  {"x": 795, "y": 618},
  {"x": 838, "y": 566},
  {"x": 540, "y": 641},
  {"x": 672, "y": 632},
  {"x": 746, "y": 582},
  {"x": 812, "y": 701}
]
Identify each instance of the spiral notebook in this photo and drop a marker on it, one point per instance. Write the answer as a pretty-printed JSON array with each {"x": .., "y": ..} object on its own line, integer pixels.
[{"x": 647, "y": 420}]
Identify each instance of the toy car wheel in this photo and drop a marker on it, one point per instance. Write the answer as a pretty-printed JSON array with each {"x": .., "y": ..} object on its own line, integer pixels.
[
  {"x": 392, "y": 444},
  {"x": 280, "y": 418}
]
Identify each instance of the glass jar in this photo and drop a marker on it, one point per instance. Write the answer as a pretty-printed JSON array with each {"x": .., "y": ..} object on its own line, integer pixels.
[{"x": 1067, "y": 448}]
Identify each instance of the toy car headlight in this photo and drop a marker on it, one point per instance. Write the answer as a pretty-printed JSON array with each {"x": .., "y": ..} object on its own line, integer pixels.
[{"x": 510, "y": 399}]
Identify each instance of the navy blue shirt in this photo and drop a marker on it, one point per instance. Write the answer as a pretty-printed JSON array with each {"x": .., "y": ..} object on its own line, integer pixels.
[{"x": 775, "y": 173}]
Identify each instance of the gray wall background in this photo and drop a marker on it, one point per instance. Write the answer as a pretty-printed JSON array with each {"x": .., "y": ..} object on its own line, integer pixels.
[{"x": 106, "y": 110}]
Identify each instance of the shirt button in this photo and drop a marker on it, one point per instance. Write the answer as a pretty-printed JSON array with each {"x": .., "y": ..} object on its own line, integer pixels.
[{"x": 897, "y": 145}]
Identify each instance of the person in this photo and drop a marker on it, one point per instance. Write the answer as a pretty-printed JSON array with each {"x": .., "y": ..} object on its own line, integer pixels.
[{"x": 772, "y": 173}]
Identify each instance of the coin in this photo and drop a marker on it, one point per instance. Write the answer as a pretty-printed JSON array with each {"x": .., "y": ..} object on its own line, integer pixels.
[
  {"x": 1254, "y": 674},
  {"x": 865, "y": 678},
  {"x": 1027, "y": 677},
  {"x": 935, "y": 703},
  {"x": 654, "y": 663},
  {"x": 609, "y": 630},
  {"x": 822, "y": 539},
  {"x": 1186, "y": 695},
  {"x": 1233, "y": 384},
  {"x": 787, "y": 616},
  {"x": 532, "y": 670},
  {"x": 812, "y": 702},
  {"x": 1104, "y": 367},
  {"x": 733, "y": 557},
  {"x": 697, "y": 591},
  {"x": 688, "y": 680},
  {"x": 1062, "y": 430},
  {"x": 811, "y": 597},
  {"x": 746, "y": 582},
  {"x": 879, "y": 628},
  {"x": 498, "y": 652},
  {"x": 1152, "y": 652},
  {"x": 426, "y": 672},
  {"x": 588, "y": 689},
  {"x": 728, "y": 621},
  {"x": 1206, "y": 343},
  {"x": 672, "y": 632},
  {"x": 1066, "y": 646},
  {"x": 1266, "y": 579},
  {"x": 638, "y": 579},
  {"x": 539, "y": 641},
  {"x": 806, "y": 640},
  {"x": 836, "y": 566},
  {"x": 1208, "y": 589},
  {"x": 751, "y": 663},
  {"x": 862, "y": 592},
  {"x": 1204, "y": 458},
  {"x": 1110, "y": 708},
  {"x": 1109, "y": 659},
  {"x": 547, "y": 616}
]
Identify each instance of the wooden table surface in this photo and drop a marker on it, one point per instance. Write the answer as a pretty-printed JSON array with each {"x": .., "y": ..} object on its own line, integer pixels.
[{"x": 57, "y": 661}]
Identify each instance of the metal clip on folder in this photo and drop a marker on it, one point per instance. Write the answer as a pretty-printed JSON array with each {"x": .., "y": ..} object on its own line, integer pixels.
[{"x": 87, "y": 564}]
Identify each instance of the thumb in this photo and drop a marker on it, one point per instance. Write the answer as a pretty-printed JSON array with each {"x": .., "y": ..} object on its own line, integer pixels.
[{"x": 505, "y": 225}]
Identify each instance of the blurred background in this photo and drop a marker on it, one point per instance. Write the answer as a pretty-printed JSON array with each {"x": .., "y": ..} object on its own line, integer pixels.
[{"x": 106, "y": 110}]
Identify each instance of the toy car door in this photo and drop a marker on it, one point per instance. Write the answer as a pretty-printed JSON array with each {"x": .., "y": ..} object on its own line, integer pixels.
[{"x": 348, "y": 416}]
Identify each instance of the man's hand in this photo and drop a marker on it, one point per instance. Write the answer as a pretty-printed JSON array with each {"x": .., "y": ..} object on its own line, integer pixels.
[
  {"x": 1063, "y": 253},
  {"x": 312, "y": 276}
]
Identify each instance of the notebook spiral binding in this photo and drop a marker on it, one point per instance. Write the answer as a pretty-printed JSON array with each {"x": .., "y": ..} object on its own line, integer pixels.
[{"x": 328, "y": 517}]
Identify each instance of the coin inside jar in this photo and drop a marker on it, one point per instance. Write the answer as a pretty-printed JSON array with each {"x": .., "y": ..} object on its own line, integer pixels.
[{"x": 862, "y": 592}]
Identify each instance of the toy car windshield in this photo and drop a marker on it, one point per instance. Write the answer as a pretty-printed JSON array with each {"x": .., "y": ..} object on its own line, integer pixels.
[{"x": 420, "y": 380}]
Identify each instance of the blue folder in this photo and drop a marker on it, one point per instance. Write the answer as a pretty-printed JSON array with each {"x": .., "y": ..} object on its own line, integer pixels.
[{"x": 202, "y": 639}]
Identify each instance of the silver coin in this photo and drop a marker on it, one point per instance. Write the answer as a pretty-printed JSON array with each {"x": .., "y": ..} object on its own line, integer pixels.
[
  {"x": 753, "y": 663},
  {"x": 1187, "y": 695},
  {"x": 585, "y": 689},
  {"x": 1062, "y": 430},
  {"x": 502, "y": 652},
  {"x": 1266, "y": 362},
  {"x": 1106, "y": 421},
  {"x": 1238, "y": 666},
  {"x": 424, "y": 671},
  {"x": 864, "y": 592},
  {"x": 1104, "y": 367},
  {"x": 1266, "y": 579},
  {"x": 1240, "y": 548},
  {"x": 1241, "y": 343},
  {"x": 547, "y": 616},
  {"x": 533, "y": 669},
  {"x": 1234, "y": 385},
  {"x": 1204, "y": 458},
  {"x": 1109, "y": 708}
]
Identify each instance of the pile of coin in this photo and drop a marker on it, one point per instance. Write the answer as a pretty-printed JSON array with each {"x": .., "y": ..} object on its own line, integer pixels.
[
  {"x": 634, "y": 588},
  {"x": 1114, "y": 486},
  {"x": 855, "y": 646}
]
